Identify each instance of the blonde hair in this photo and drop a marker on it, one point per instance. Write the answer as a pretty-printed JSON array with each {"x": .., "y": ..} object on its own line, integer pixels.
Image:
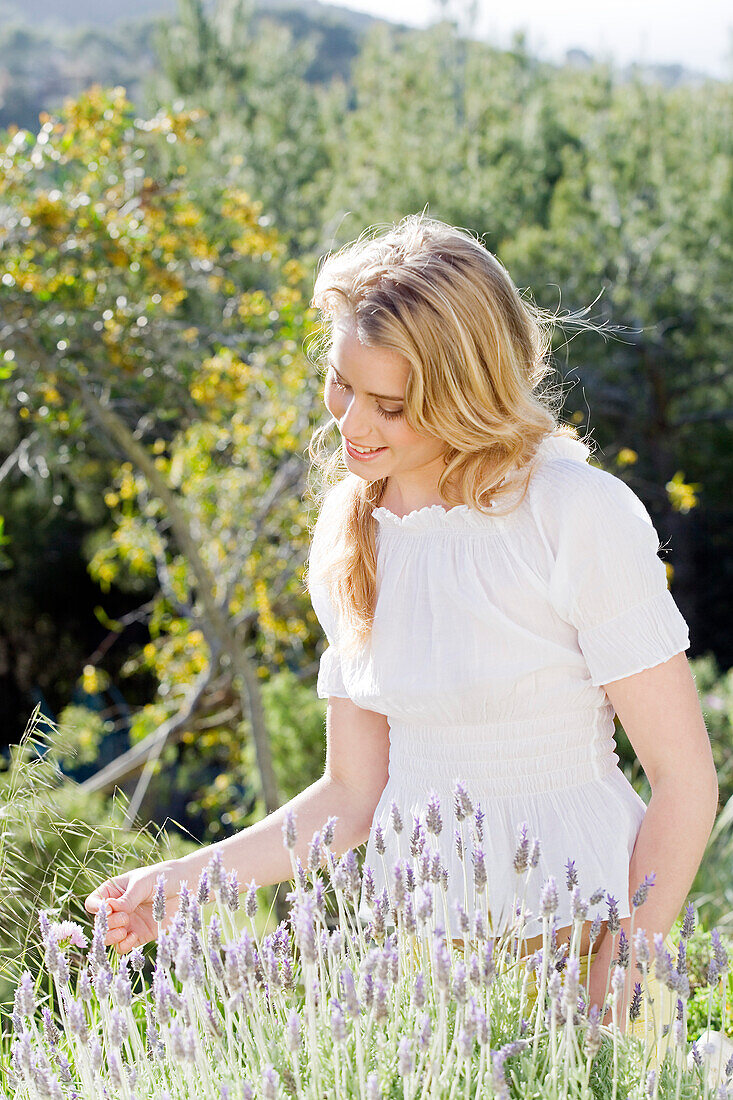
[{"x": 478, "y": 353}]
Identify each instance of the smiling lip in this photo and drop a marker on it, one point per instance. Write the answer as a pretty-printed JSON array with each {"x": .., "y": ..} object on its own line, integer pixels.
[{"x": 361, "y": 457}]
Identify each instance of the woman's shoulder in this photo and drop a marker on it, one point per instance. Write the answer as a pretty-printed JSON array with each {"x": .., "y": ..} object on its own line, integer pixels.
[
  {"x": 565, "y": 470},
  {"x": 572, "y": 494}
]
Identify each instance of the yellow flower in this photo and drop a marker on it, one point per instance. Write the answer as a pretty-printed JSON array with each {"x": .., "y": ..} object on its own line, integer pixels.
[
  {"x": 626, "y": 457},
  {"x": 682, "y": 494},
  {"x": 90, "y": 680}
]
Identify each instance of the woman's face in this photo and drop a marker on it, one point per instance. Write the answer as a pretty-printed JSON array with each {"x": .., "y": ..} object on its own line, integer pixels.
[{"x": 356, "y": 374}]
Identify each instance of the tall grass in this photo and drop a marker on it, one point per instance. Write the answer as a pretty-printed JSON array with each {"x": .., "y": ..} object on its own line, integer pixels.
[{"x": 56, "y": 844}]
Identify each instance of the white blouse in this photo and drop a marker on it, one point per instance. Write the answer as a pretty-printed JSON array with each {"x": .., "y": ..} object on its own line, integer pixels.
[{"x": 492, "y": 639}]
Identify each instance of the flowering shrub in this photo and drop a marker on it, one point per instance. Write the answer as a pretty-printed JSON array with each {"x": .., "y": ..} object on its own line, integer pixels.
[{"x": 309, "y": 1012}]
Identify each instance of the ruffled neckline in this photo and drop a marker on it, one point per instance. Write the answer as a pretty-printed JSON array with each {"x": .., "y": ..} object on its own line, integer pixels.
[{"x": 434, "y": 517}]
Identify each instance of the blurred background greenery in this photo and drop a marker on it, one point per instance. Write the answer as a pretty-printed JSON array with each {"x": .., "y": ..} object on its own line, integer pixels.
[{"x": 167, "y": 186}]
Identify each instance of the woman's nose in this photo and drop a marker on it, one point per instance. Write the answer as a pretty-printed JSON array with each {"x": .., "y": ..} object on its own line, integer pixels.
[{"x": 355, "y": 424}]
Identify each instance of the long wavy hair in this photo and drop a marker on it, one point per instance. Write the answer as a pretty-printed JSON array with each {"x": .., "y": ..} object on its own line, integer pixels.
[{"x": 479, "y": 358}]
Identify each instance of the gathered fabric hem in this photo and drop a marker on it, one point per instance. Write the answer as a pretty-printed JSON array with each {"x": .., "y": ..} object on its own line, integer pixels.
[{"x": 595, "y": 825}]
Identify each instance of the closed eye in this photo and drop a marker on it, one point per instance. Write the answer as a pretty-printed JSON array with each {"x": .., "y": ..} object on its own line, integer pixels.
[{"x": 336, "y": 381}]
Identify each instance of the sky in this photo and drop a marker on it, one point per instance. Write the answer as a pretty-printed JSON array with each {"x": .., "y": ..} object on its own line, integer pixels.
[{"x": 698, "y": 36}]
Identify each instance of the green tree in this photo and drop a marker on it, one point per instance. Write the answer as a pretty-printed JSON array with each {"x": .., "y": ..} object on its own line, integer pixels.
[
  {"x": 266, "y": 127},
  {"x": 117, "y": 283}
]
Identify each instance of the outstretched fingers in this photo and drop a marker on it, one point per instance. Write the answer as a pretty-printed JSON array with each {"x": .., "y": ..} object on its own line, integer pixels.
[{"x": 108, "y": 893}]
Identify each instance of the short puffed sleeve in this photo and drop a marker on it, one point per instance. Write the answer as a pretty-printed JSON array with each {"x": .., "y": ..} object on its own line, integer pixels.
[
  {"x": 330, "y": 678},
  {"x": 607, "y": 577}
]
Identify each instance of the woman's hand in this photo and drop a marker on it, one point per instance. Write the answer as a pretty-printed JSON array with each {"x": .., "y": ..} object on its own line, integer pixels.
[{"x": 129, "y": 901}]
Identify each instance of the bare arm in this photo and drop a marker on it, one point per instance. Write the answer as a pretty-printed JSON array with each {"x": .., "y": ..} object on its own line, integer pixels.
[
  {"x": 357, "y": 756},
  {"x": 353, "y": 780},
  {"x": 660, "y": 712}
]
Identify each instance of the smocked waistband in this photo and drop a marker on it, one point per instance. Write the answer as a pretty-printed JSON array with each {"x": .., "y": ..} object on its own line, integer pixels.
[{"x": 505, "y": 758}]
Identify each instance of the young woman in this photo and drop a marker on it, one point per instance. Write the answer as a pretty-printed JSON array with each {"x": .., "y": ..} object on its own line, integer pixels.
[{"x": 490, "y": 599}]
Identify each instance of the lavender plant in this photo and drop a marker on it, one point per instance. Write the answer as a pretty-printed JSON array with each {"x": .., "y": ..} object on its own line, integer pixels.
[{"x": 360, "y": 1011}]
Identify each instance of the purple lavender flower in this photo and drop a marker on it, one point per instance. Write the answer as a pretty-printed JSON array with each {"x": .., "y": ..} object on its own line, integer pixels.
[
  {"x": 462, "y": 921},
  {"x": 51, "y": 1032},
  {"x": 328, "y": 832},
  {"x": 458, "y": 841},
  {"x": 159, "y": 899},
  {"x": 719, "y": 952},
  {"x": 688, "y": 922},
  {"x": 462, "y": 802},
  {"x": 571, "y": 984},
  {"x": 623, "y": 950},
  {"x": 617, "y": 983},
  {"x": 663, "y": 968},
  {"x": 433, "y": 819},
  {"x": 442, "y": 964},
  {"x": 498, "y": 1077},
  {"x": 85, "y": 985},
  {"x": 396, "y": 818},
  {"x": 460, "y": 989},
  {"x": 118, "y": 1028},
  {"x": 137, "y": 959},
  {"x": 122, "y": 987},
  {"x": 642, "y": 891},
  {"x": 77, "y": 1021},
  {"x": 614, "y": 922},
  {"x": 292, "y": 1031},
  {"x": 635, "y": 1003},
  {"x": 231, "y": 892},
  {"x": 217, "y": 871},
  {"x": 521, "y": 854},
  {"x": 549, "y": 900},
  {"x": 595, "y": 929},
  {"x": 405, "y": 1057},
  {"x": 103, "y": 982},
  {"x": 488, "y": 965},
  {"x": 419, "y": 994},
  {"x": 641, "y": 948},
  {"x": 250, "y": 900},
  {"x": 290, "y": 832},
  {"x": 417, "y": 839},
  {"x": 596, "y": 897},
  {"x": 479, "y": 869},
  {"x": 202, "y": 890},
  {"x": 369, "y": 886},
  {"x": 534, "y": 855},
  {"x": 651, "y": 1082},
  {"x": 184, "y": 898},
  {"x": 352, "y": 869},
  {"x": 348, "y": 987},
  {"x": 338, "y": 1021},
  {"x": 578, "y": 905},
  {"x": 25, "y": 1001},
  {"x": 571, "y": 875},
  {"x": 314, "y": 852},
  {"x": 270, "y": 1080},
  {"x": 478, "y": 817},
  {"x": 479, "y": 926}
]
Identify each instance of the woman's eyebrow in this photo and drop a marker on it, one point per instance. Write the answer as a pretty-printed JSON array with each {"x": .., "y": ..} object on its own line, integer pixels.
[{"x": 384, "y": 396}]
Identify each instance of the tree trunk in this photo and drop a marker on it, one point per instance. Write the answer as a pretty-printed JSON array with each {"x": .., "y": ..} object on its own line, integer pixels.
[{"x": 245, "y": 679}]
